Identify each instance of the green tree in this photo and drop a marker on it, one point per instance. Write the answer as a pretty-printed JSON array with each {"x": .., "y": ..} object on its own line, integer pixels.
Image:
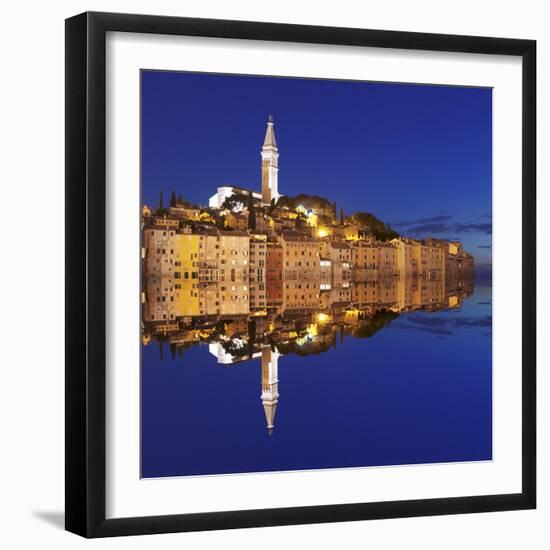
[
  {"x": 377, "y": 227},
  {"x": 371, "y": 326},
  {"x": 173, "y": 199},
  {"x": 231, "y": 202},
  {"x": 160, "y": 198},
  {"x": 341, "y": 216}
]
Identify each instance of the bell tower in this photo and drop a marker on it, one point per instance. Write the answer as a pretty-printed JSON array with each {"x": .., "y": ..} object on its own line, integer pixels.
[
  {"x": 270, "y": 164},
  {"x": 270, "y": 386}
]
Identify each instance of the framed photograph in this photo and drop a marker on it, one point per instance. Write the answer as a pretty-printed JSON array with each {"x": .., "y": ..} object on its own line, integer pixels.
[{"x": 300, "y": 274}]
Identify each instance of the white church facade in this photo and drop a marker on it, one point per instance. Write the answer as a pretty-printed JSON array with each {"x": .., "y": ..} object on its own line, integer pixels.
[{"x": 270, "y": 174}]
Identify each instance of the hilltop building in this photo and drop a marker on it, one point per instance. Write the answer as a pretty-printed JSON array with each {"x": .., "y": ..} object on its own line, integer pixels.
[{"x": 270, "y": 175}]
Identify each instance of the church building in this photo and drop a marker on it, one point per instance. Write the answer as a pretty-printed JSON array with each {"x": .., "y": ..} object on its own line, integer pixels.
[{"x": 270, "y": 170}]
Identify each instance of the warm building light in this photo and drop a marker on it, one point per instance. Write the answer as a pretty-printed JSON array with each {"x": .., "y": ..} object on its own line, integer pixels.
[
  {"x": 312, "y": 220},
  {"x": 323, "y": 318},
  {"x": 323, "y": 232}
]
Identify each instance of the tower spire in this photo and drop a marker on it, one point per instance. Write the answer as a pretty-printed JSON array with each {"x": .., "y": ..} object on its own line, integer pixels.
[
  {"x": 269, "y": 140},
  {"x": 270, "y": 164},
  {"x": 270, "y": 386}
]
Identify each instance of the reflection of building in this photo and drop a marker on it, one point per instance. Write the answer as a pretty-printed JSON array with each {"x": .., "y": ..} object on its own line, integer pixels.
[
  {"x": 429, "y": 256},
  {"x": 171, "y": 261},
  {"x": 387, "y": 259},
  {"x": 459, "y": 265},
  {"x": 257, "y": 278},
  {"x": 406, "y": 266},
  {"x": 234, "y": 269},
  {"x": 274, "y": 274},
  {"x": 270, "y": 385},
  {"x": 364, "y": 257},
  {"x": 340, "y": 256},
  {"x": 263, "y": 275},
  {"x": 358, "y": 311},
  {"x": 301, "y": 271}
]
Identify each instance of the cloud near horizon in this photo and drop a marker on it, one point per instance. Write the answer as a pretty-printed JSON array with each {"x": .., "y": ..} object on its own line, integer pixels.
[
  {"x": 442, "y": 325},
  {"x": 443, "y": 224}
]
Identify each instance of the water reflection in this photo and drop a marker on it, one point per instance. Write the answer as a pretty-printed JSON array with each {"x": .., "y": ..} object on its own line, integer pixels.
[{"x": 326, "y": 318}]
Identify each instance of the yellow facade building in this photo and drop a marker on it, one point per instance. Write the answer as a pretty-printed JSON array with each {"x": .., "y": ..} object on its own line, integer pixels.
[{"x": 186, "y": 275}]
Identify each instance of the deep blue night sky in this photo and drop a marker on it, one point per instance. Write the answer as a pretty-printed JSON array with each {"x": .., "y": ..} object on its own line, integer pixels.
[{"x": 416, "y": 156}]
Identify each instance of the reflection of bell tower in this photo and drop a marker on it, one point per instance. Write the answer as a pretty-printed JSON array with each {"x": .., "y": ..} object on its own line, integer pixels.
[
  {"x": 270, "y": 164},
  {"x": 270, "y": 385}
]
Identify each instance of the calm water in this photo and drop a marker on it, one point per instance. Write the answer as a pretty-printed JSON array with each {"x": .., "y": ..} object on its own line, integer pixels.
[{"x": 417, "y": 391}]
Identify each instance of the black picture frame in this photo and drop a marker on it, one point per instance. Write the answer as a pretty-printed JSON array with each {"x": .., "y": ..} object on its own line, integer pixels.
[{"x": 86, "y": 275}]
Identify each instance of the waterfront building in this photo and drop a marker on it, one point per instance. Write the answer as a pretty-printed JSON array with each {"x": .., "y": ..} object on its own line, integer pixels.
[
  {"x": 209, "y": 271},
  {"x": 340, "y": 255},
  {"x": 459, "y": 264},
  {"x": 406, "y": 265},
  {"x": 234, "y": 271},
  {"x": 274, "y": 274},
  {"x": 257, "y": 273},
  {"x": 429, "y": 256},
  {"x": 326, "y": 273},
  {"x": 161, "y": 251},
  {"x": 300, "y": 256},
  {"x": 158, "y": 250},
  {"x": 364, "y": 258},
  {"x": 387, "y": 259},
  {"x": 301, "y": 271},
  {"x": 186, "y": 275}
]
